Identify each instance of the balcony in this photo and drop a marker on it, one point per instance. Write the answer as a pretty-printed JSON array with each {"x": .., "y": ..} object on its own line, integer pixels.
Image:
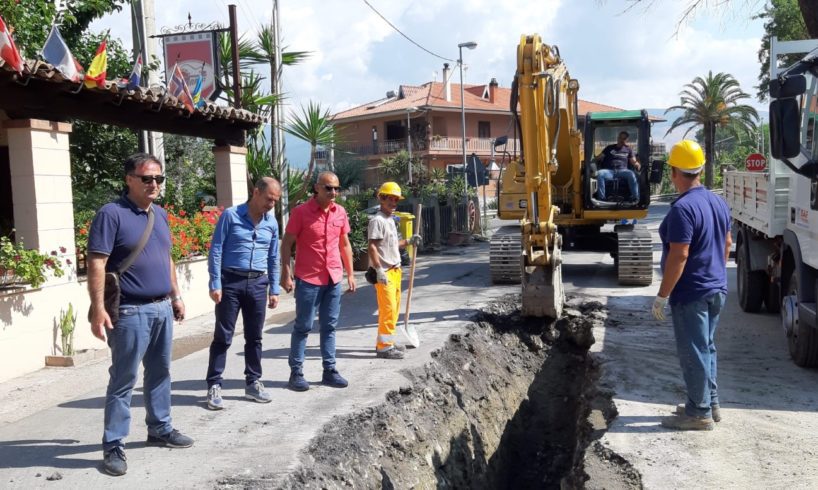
[{"x": 437, "y": 145}]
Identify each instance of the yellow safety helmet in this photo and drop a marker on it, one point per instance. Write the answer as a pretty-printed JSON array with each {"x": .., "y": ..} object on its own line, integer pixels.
[
  {"x": 687, "y": 156},
  {"x": 390, "y": 189}
]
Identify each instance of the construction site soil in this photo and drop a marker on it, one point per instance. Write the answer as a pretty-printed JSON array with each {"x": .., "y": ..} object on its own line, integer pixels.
[{"x": 510, "y": 403}]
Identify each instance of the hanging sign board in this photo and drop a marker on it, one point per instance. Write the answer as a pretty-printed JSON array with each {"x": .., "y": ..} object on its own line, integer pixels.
[{"x": 196, "y": 54}]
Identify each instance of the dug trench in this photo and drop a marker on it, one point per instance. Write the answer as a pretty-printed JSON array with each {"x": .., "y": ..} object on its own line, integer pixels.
[{"x": 510, "y": 403}]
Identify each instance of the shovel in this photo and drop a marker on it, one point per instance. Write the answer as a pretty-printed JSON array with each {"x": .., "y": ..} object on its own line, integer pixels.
[{"x": 409, "y": 331}]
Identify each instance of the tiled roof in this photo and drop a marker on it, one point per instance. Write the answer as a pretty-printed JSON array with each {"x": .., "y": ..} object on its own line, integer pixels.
[
  {"x": 155, "y": 97},
  {"x": 432, "y": 95}
]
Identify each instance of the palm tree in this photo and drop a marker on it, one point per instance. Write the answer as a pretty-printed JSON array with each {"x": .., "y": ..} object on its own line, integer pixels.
[
  {"x": 314, "y": 126},
  {"x": 710, "y": 102}
]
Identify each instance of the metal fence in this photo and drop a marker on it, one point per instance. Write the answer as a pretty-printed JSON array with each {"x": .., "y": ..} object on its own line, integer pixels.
[{"x": 438, "y": 220}]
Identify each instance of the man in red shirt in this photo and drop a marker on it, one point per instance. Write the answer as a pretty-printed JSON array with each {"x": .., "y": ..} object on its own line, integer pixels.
[{"x": 319, "y": 230}]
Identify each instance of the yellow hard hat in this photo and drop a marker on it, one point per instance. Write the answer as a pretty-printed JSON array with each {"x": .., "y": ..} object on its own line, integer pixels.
[
  {"x": 687, "y": 156},
  {"x": 390, "y": 189}
]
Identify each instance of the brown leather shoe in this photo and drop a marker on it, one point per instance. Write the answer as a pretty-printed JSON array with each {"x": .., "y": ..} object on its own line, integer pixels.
[
  {"x": 686, "y": 422},
  {"x": 714, "y": 409}
]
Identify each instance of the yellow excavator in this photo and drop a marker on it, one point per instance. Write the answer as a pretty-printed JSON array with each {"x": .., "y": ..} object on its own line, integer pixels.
[{"x": 552, "y": 186}]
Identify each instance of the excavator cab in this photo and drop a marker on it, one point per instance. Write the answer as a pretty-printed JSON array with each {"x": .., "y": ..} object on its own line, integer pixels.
[{"x": 603, "y": 187}]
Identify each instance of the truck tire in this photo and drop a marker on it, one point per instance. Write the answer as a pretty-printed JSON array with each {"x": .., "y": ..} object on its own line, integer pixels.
[
  {"x": 751, "y": 284},
  {"x": 803, "y": 339},
  {"x": 772, "y": 296}
]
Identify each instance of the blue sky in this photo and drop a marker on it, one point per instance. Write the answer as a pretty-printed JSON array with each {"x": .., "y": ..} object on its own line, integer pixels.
[{"x": 631, "y": 59}]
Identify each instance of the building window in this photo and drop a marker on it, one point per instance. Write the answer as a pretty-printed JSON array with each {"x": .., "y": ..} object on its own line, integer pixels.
[{"x": 483, "y": 129}]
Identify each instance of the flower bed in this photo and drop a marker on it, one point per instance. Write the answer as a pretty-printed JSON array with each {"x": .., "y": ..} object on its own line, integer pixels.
[
  {"x": 191, "y": 234},
  {"x": 19, "y": 265}
]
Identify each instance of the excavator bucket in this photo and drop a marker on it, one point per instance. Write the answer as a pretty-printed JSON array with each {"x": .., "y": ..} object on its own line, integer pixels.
[{"x": 543, "y": 293}]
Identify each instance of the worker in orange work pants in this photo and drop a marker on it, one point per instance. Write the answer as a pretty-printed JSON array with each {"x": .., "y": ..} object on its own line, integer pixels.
[{"x": 384, "y": 258}]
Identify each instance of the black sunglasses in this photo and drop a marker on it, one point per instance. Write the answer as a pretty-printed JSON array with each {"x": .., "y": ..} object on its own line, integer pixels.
[
  {"x": 330, "y": 188},
  {"x": 147, "y": 179}
]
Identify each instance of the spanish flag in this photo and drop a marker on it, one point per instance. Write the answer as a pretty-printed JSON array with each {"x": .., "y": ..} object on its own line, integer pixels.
[{"x": 99, "y": 65}]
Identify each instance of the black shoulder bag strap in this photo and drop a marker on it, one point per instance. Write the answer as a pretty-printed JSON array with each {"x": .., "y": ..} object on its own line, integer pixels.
[{"x": 143, "y": 240}]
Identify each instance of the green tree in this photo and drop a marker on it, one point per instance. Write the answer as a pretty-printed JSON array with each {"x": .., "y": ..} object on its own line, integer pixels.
[
  {"x": 314, "y": 126},
  {"x": 350, "y": 170},
  {"x": 711, "y": 102},
  {"x": 396, "y": 168},
  {"x": 191, "y": 171},
  {"x": 32, "y": 19},
  {"x": 97, "y": 152},
  {"x": 784, "y": 20}
]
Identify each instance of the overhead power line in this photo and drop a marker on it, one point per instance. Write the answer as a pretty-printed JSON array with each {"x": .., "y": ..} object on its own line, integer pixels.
[{"x": 404, "y": 35}]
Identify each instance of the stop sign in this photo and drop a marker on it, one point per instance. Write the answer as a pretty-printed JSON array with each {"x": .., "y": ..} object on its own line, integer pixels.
[{"x": 755, "y": 162}]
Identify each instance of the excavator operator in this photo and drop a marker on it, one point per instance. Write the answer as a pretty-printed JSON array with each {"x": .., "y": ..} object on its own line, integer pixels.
[{"x": 614, "y": 161}]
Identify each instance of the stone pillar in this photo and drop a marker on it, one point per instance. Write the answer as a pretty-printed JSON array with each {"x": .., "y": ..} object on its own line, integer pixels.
[
  {"x": 41, "y": 185},
  {"x": 231, "y": 175}
]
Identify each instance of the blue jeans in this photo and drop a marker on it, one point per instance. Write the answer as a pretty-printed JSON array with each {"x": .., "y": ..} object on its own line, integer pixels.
[
  {"x": 250, "y": 297},
  {"x": 144, "y": 333},
  {"x": 327, "y": 301},
  {"x": 607, "y": 175},
  {"x": 694, "y": 325}
]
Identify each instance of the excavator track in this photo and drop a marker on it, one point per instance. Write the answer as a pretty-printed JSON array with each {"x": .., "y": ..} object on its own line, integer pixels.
[
  {"x": 504, "y": 255},
  {"x": 635, "y": 257}
]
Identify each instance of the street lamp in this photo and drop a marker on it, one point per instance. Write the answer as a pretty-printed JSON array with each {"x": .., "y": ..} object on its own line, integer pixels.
[
  {"x": 409, "y": 110},
  {"x": 469, "y": 45}
]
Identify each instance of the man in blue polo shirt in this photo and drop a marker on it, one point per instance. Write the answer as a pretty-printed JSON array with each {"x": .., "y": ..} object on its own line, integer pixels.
[
  {"x": 149, "y": 302},
  {"x": 695, "y": 246},
  {"x": 243, "y": 265},
  {"x": 614, "y": 161}
]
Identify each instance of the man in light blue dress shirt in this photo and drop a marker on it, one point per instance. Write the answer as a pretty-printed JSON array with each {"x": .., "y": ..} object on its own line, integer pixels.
[{"x": 244, "y": 276}]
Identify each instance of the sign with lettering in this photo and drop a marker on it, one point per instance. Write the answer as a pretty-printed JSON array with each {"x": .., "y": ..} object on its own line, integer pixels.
[{"x": 756, "y": 162}]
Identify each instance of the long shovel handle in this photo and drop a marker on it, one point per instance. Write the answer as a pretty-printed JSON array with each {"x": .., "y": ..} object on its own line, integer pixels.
[{"x": 418, "y": 223}]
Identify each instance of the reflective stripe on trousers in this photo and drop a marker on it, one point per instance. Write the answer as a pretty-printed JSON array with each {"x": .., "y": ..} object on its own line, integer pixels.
[{"x": 388, "y": 309}]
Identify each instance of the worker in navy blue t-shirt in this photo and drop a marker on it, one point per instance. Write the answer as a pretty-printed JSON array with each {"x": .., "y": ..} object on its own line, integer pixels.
[
  {"x": 244, "y": 276},
  {"x": 149, "y": 302},
  {"x": 696, "y": 243},
  {"x": 614, "y": 161}
]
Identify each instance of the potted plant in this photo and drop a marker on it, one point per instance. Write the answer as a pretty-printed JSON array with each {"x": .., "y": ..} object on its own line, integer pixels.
[
  {"x": 69, "y": 357},
  {"x": 19, "y": 265}
]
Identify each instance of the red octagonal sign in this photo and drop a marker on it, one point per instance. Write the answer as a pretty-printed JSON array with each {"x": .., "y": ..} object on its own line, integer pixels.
[{"x": 756, "y": 162}]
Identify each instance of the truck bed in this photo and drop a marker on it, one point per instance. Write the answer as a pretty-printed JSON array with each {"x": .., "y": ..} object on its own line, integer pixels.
[{"x": 758, "y": 201}]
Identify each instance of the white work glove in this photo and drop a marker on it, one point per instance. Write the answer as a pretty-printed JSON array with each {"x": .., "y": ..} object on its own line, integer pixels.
[
  {"x": 659, "y": 307},
  {"x": 416, "y": 240},
  {"x": 381, "y": 275}
]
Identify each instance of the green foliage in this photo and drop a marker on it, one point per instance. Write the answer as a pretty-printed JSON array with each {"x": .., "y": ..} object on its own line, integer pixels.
[
  {"x": 711, "y": 102},
  {"x": 783, "y": 19},
  {"x": 32, "y": 19},
  {"x": 68, "y": 322},
  {"x": 314, "y": 126},
  {"x": 82, "y": 222},
  {"x": 20, "y": 264},
  {"x": 358, "y": 222},
  {"x": 350, "y": 171},
  {"x": 396, "y": 168},
  {"x": 97, "y": 153},
  {"x": 191, "y": 172}
]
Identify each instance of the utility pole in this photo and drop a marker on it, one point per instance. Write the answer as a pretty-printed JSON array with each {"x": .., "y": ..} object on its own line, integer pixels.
[
  {"x": 143, "y": 23},
  {"x": 234, "y": 50},
  {"x": 277, "y": 130}
]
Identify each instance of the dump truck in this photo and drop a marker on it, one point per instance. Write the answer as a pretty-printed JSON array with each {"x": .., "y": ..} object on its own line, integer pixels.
[{"x": 775, "y": 212}]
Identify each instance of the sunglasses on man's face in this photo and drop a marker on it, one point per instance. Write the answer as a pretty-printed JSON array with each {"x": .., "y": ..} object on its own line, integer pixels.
[
  {"x": 331, "y": 188},
  {"x": 147, "y": 179}
]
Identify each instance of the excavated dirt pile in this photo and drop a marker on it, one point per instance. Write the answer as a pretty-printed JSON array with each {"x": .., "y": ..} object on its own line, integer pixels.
[{"x": 508, "y": 404}]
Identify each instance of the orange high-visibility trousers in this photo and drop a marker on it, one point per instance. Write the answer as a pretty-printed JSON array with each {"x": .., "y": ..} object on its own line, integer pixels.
[{"x": 388, "y": 309}]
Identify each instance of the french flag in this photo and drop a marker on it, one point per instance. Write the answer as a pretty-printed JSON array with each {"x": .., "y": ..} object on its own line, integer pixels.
[{"x": 57, "y": 53}]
